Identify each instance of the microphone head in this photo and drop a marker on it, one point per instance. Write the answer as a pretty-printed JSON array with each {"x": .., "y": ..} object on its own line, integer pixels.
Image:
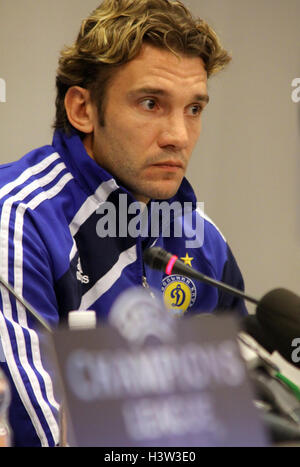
[
  {"x": 156, "y": 257},
  {"x": 251, "y": 326},
  {"x": 278, "y": 312}
]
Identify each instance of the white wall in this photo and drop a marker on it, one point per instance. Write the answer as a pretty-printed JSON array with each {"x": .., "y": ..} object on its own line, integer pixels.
[{"x": 247, "y": 164}]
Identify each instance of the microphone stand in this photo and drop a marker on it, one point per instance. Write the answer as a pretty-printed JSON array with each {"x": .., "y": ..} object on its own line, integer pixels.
[
  {"x": 26, "y": 305},
  {"x": 45, "y": 325},
  {"x": 157, "y": 258}
]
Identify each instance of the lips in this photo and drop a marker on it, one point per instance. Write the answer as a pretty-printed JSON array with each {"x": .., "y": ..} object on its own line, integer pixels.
[{"x": 170, "y": 164}]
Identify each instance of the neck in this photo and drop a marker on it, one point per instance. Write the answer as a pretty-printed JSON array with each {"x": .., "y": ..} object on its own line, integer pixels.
[{"x": 88, "y": 144}]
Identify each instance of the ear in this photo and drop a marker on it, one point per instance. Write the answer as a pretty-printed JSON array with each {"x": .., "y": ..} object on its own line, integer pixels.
[{"x": 79, "y": 109}]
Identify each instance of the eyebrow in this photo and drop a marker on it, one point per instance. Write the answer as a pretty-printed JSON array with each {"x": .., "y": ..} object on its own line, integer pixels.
[{"x": 162, "y": 92}]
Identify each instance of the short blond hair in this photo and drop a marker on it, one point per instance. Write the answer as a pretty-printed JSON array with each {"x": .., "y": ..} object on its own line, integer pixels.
[{"x": 114, "y": 34}]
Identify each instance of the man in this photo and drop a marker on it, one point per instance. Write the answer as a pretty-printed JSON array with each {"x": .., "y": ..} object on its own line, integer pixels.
[{"x": 130, "y": 97}]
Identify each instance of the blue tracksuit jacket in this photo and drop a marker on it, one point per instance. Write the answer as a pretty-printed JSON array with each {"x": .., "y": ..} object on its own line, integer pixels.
[{"x": 53, "y": 254}]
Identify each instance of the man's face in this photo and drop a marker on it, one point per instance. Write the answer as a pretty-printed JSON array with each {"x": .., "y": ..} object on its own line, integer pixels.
[{"x": 152, "y": 122}]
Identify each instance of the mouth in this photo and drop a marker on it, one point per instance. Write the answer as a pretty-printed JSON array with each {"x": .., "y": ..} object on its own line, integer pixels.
[{"x": 169, "y": 165}]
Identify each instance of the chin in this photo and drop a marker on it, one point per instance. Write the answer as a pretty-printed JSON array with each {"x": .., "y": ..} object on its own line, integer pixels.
[
  {"x": 160, "y": 191},
  {"x": 164, "y": 195}
]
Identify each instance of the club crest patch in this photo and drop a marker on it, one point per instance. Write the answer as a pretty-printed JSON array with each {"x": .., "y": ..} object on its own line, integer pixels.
[{"x": 179, "y": 293}]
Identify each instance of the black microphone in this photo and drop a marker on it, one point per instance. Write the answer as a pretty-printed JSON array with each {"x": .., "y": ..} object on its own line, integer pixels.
[
  {"x": 252, "y": 326},
  {"x": 276, "y": 324},
  {"x": 278, "y": 313},
  {"x": 158, "y": 258}
]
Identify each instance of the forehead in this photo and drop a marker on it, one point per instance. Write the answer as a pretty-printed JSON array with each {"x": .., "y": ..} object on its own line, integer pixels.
[{"x": 160, "y": 67}]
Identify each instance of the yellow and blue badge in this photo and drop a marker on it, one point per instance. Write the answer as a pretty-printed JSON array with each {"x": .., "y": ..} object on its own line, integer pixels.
[{"x": 179, "y": 293}]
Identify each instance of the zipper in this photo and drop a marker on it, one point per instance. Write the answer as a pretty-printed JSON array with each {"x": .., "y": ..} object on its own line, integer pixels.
[
  {"x": 147, "y": 286},
  {"x": 145, "y": 283}
]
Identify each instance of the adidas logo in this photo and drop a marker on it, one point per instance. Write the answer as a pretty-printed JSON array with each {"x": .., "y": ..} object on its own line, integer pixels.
[{"x": 80, "y": 276}]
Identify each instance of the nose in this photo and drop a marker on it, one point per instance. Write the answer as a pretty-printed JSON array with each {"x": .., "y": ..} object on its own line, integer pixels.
[{"x": 174, "y": 133}]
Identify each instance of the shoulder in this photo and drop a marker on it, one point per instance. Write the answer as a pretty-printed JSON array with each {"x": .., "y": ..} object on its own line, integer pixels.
[
  {"x": 39, "y": 175},
  {"x": 32, "y": 199},
  {"x": 34, "y": 162}
]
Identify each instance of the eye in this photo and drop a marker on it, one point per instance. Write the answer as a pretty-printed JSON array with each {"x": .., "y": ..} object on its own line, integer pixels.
[
  {"x": 148, "y": 104},
  {"x": 194, "y": 110}
]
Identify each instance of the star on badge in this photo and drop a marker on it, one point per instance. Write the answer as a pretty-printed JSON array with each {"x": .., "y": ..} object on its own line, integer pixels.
[{"x": 187, "y": 260}]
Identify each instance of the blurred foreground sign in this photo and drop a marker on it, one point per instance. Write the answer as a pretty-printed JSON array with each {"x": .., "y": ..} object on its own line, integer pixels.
[{"x": 192, "y": 390}]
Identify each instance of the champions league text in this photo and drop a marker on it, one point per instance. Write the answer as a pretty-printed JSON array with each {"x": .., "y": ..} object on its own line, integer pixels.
[{"x": 153, "y": 384}]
